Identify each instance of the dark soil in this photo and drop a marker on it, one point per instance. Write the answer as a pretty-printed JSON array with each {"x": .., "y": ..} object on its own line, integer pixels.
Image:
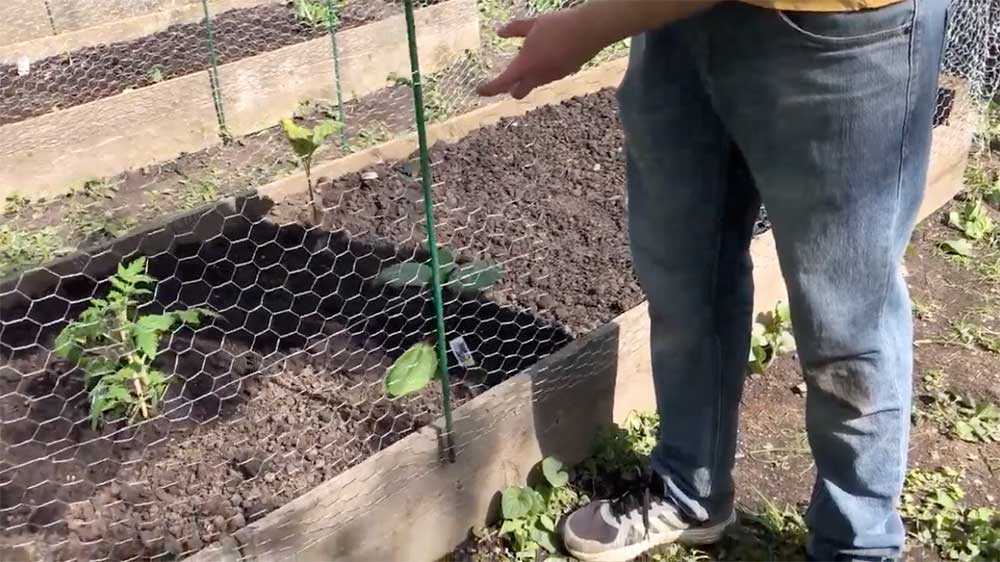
[
  {"x": 284, "y": 390},
  {"x": 89, "y": 74}
]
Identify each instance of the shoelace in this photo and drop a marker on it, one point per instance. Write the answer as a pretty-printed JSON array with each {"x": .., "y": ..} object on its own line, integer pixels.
[{"x": 641, "y": 487}]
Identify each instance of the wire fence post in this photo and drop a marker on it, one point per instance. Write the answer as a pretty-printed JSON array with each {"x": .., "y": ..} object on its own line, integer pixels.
[
  {"x": 425, "y": 173},
  {"x": 331, "y": 23},
  {"x": 213, "y": 75}
]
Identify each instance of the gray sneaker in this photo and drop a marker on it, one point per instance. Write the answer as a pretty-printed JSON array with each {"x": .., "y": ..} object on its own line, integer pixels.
[{"x": 618, "y": 531}]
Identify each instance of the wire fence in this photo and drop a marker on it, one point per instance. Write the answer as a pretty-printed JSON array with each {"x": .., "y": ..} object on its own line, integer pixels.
[{"x": 194, "y": 334}]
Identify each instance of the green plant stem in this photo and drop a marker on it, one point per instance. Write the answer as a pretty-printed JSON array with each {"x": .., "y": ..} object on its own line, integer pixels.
[
  {"x": 213, "y": 75},
  {"x": 425, "y": 172},
  {"x": 317, "y": 215},
  {"x": 332, "y": 28}
]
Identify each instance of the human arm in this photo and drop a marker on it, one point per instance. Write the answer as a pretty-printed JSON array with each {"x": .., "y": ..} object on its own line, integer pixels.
[{"x": 559, "y": 43}]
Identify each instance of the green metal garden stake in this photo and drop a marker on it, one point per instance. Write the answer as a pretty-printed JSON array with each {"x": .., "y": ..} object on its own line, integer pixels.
[
  {"x": 213, "y": 75},
  {"x": 332, "y": 28},
  {"x": 425, "y": 172}
]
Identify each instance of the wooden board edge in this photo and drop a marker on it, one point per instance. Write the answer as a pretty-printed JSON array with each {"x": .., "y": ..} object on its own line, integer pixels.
[{"x": 125, "y": 29}]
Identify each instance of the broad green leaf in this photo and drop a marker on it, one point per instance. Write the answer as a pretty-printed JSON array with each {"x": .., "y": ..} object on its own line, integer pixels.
[
  {"x": 324, "y": 129},
  {"x": 446, "y": 260},
  {"x": 546, "y": 522},
  {"x": 301, "y": 138},
  {"x": 955, "y": 220},
  {"x": 133, "y": 269},
  {"x": 554, "y": 472},
  {"x": 544, "y": 539},
  {"x": 783, "y": 313},
  {"x": 157, "y": 322},
  {"x": 537, "y": 501},
  {"x": 475, "y": 277},
  {"x": 510, "y": 526},
  {"x": 965, "y": 431},
  {"x": 958, "y": 247},
  {"x": 515, "y": 502},
  {"x": 785, "y": 343},
  {"x": 406, "y": 274},
  {"x": 412, "y": 371}
]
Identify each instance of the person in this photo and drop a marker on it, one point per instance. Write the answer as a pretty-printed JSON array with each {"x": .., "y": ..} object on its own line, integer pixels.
[{"x": 823, "y": 109}]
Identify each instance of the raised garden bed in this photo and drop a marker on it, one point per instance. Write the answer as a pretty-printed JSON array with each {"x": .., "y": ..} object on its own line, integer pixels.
[{"x": 105, "y": 127}]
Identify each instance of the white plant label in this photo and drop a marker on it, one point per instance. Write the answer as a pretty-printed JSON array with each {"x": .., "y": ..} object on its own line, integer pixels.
[
  {"x": 462, "y": 353},
  {"x": 23, "y": 66}
]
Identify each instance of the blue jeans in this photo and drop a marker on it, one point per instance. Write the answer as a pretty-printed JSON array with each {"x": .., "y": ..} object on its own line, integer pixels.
[{"x": 827, "y": 118}]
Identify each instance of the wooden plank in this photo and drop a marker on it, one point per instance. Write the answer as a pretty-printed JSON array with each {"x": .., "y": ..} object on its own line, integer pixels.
[
  {"x": 22, "y": 20},
  {"x": 73, "y": 15},
  {"x": 47, "y": 155},
  {"x": 50, "y": 154},
  {"x": 171, "y": 12},
  {"x": 257, "y": 92}
]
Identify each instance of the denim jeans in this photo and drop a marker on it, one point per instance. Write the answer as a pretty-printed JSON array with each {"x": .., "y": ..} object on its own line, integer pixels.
[{"x": 827, "y": 118}]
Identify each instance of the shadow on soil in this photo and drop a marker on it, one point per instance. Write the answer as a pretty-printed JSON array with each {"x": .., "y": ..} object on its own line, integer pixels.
[{"x": 281, "y": 291}]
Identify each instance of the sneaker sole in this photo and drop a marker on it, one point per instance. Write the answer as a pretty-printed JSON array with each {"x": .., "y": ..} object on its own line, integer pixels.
[{"x": 699, "y": 536}]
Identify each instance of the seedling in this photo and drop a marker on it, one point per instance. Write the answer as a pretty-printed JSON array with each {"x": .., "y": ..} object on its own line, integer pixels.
[
  {"x": 771, "y": 338},
  {"x": 156, "y": 73},
  {"x": 530, "y": 513},
  {"x": 933, "y": 506},
  {"x": 371, "y": 135},
  {"x": 305, "y": 142},
  {"x": 958, "y": 416},
  {"x": 317, "y": 12},
  {"x": 973, "y": 220},
  {"x": 959, "y": 247},
  {"x": 22, "y": 248},
  {"x": 437, "y": 105},
  {"x": 418, "y": 366},
  {"x": 15, "y": 203},
  {"x": 198, "y": 193},
  {"x": 115, "y": 346}
]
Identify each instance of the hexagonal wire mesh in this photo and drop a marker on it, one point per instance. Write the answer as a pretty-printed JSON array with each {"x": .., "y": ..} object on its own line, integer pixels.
[{"x": 281, "y": 388}]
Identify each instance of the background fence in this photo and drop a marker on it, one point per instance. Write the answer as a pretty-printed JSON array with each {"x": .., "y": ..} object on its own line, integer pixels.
[{"x": 148, "y": 129}]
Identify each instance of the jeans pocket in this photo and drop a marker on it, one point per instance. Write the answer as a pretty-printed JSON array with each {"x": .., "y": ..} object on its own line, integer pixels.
[{"x": 852, "y": 28}]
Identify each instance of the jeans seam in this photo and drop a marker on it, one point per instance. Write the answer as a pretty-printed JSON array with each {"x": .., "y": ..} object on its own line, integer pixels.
[{"x": 913, "y": 71}]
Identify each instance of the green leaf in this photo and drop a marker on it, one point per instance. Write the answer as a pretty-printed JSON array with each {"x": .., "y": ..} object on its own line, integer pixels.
[
  {"x": 146, "y": 340},
  {"x": 516, "y": 502},
  {"x": 958, "y": 247},
  {"x": 412, "y": 371},
  {"x": 544, "y": 539},
  {"x": 785, "y": 343},
  {"x": 133, "y": 269},
  {"x": 157, "y": 322},
  {"x": 554, "y": 472},
  {"x": 446, "y": 260},
  {"x": 783, "y": 312},
  {"x": 301, "y": 138},
  {"x": 406, "y": 274},
  {"x": 324, "y": 129},
  {"x": 191, "y": 316},
  {"x": 65, "y": 345},
  {"x": 475, "y": 277},
  {"x": 510, "y": 526},
  {"x": 546, "y": 522},
  {"x": 955, "y": 220}
]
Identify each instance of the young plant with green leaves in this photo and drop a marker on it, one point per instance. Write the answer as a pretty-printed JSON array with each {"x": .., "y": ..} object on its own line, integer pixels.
[
  {"x": 933, "y": 505},
  {"x": 305, "y": 141},
  {"x": 530, "y": 514},
  {"x": 418, "y": 366},
  {"x": 973, "y": 220},
  {"x": 21, "y": 248},
  {"x": 115, "y": 346},
  {"x": 317, "y": 12},
  {"x": 771, "y": 337},
  {"x": 437, "y": 105}
]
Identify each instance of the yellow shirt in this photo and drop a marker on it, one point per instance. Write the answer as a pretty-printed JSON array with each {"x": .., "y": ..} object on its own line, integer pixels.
[{"x": 821, "y": 5}]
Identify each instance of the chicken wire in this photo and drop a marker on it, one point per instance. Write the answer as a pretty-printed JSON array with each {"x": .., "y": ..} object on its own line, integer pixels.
[{"x": 283, "y": 390}]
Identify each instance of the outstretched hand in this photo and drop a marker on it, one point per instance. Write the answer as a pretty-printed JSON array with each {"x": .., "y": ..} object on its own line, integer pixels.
[{"x": 555, "y": 46}]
